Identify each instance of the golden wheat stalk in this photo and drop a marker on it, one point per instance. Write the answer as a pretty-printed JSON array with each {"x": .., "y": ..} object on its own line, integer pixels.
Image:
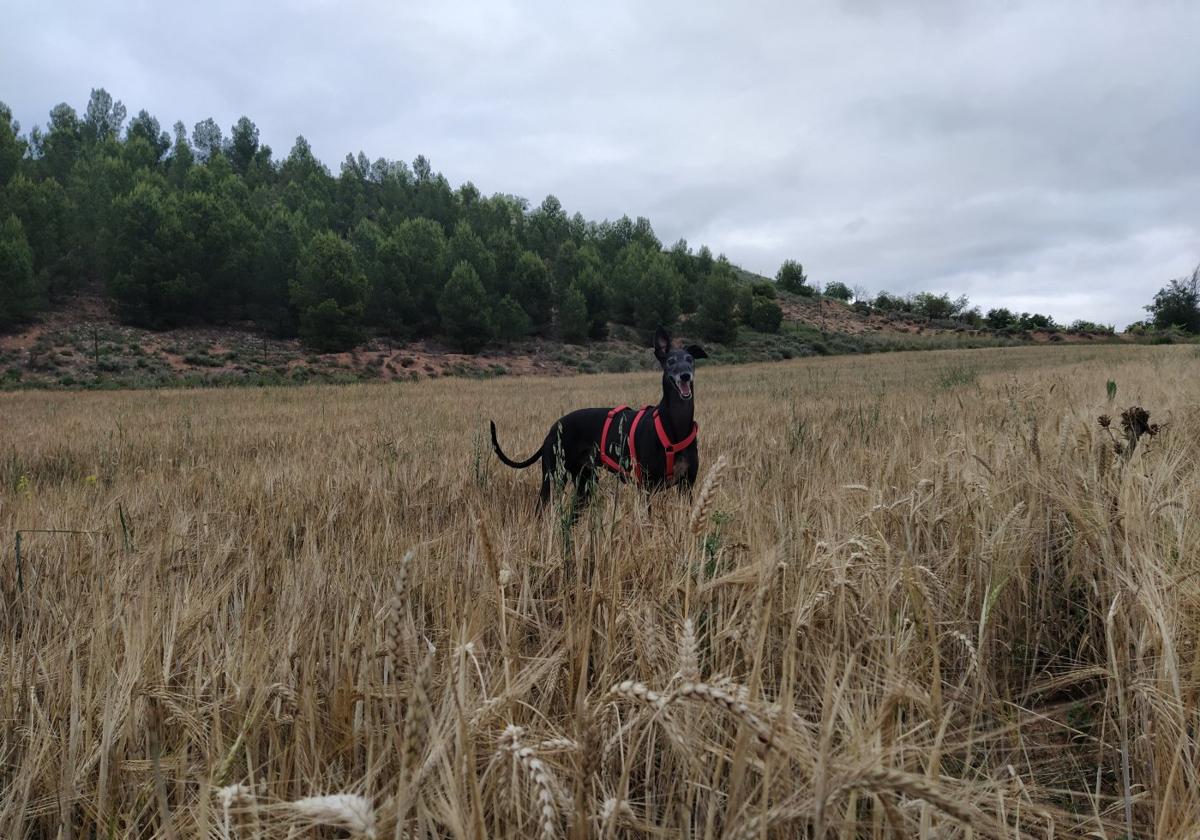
[
  {"x": 689, "y": 653},
  {"x": 708, "y": 492},
  {"x": 542, "y": 779},
  {"x": 339, "y": 810},
  {"x": 417, "y": 723}
]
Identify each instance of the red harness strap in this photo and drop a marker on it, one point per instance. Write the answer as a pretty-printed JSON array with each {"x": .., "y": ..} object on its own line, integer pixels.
[{"x": 671, "y": 449}]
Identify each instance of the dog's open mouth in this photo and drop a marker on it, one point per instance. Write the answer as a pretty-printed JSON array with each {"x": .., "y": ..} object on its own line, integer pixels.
[{"x": 684, "y": 389}]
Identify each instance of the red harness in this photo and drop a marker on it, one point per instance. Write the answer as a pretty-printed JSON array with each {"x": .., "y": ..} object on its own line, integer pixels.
[{"x": 671, "y": 449}]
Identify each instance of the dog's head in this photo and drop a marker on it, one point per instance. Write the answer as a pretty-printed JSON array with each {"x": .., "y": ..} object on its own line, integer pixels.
[{"x": 679, "y": 365}]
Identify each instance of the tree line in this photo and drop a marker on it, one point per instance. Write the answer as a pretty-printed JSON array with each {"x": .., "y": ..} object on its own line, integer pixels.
[{"x": 206, "y": 227}]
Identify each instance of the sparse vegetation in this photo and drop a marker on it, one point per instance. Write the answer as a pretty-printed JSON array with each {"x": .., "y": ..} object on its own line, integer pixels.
[{"x": 898, "y": 609}]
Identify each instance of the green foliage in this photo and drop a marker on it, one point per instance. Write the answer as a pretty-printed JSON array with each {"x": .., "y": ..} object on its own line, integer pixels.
[
  {"x": 765, "y": 315},
  {"x": 573, "y": 317},
  {"x": 1081, "y": 326},
  {"x": 999, "y": 319},
  {"x": 1178, "y": 304},
  {"x": 202, "y": 226},
  {"x": 763, "y": 289},
  {"x": 717, "y": 317},
  {"x": 18, "y": 290},
  {"x": 10, "y": 146},
  {"x": 791, "y": 278},
  {"x": 887, "y": 302},
  {"x": 656, "y": 300},
  {"x": 531, "y": 289},
  {"x": 1035, "y": 321},
  {"x": 510, "y": 320},
  {"x": 744, "y": 303},
  {"x": 465, "y": 310},
  {"x": 838, "y": 291},
  {"x": 596, "y": 296},
  {"x": 329, "y": 293},
  {"x": 933, "y": 306}
]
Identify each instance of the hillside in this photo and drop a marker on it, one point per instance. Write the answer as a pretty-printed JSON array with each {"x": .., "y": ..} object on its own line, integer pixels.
[{"x": 82, "y": 345}]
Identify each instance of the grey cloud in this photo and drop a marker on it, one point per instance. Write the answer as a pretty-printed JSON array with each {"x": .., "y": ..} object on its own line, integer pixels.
[{"x": 1033, "y": 155}]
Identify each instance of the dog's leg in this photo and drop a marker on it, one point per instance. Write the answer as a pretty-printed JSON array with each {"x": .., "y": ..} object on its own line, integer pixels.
[{"x": 585, "y": 483}]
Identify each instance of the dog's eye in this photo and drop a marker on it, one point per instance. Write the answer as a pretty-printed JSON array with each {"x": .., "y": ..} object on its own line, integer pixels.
[{"x": 688, "y": 359}]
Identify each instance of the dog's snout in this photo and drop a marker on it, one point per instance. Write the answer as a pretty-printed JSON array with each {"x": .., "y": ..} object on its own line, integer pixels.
[{"x": 685, "y": 377}]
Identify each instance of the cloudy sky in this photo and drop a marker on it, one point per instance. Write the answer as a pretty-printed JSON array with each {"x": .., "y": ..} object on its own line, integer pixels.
[{"x": 1042, "y": 156}]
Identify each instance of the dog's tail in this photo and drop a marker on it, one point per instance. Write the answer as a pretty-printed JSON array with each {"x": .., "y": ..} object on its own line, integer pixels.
[{"x": 517, "y": 465}]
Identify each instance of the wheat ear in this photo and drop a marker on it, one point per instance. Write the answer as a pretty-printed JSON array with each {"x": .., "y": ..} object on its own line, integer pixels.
[{"x": 708, "y": 490}]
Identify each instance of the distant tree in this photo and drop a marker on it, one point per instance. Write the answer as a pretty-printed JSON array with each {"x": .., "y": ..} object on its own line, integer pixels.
[
  {"x": 791, "y": 278},
  {"x": 717, "y": 317},
  {"x": 60, "y": 146},
  {"x": 329, "y": 292},
  {"x": 147, "y": 128},
  {"x": 596, "y": 296},
  {"x": 763, "y": 289},
  {"x": 11, "y": 147},
  {"x": 1178, "y": 304},
  {"x": 268, "y": 300},
  {"x": 934, "y": 307},
  {"x": 19, "y": 294},
  {"x": 999, "y": 318},
  {"x": 1035, "y": 321},
  {"x": 1082, "y": 326},
  {"x": 421, "y": 249},
  {"x": 887, "y": 302},
  {"x": 573, "y": 317},
  {"x": 765, "y": 315},
  {"x": 643, "y": 233},
  {"x": 103, "y": 118},
  {"x": 151, "y": 283},
  {"x": 243, "y": 145},
  {"x": 838, "y": 291},
  {"x": 548, "y": 228},
  {"x": 743, "y": 297},
  {"x": 972, "y": 317},
  {"x": 631, "y": 265},
  {"x": 531, "y": 288},
  {"x": 567, "y": 265},
  {"x": 466, "y": 246},
  {"x": 182, "y": 157},
  {"x": 44, "y": 211},
  {"x": 704, "y": 262},
  {"x": 686, "y": 266},
  {"x": 465, "y": 310},
  {"x": 510, "y": 320},
  {"x": 656, "y": 301},
  {"x": 207, "y": 139}
]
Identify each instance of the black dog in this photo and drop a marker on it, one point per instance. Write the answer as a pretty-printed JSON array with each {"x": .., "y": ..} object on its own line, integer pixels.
[{"x": 656, "y": 446}]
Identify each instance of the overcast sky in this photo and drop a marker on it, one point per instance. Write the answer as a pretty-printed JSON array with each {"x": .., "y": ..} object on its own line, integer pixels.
[{"x": 1042, "y": 156}]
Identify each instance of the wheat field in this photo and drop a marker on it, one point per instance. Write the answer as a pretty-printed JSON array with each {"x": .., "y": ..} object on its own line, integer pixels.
[{"x": 923, "y": 595}]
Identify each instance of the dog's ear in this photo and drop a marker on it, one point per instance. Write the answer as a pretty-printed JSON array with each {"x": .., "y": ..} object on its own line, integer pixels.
[
  {"x": 662, "y": 344},
  {"x": 697, "y": 351}
]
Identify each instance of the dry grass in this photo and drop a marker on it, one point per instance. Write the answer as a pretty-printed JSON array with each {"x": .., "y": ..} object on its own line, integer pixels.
[{"x": 912, "y": 604}]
